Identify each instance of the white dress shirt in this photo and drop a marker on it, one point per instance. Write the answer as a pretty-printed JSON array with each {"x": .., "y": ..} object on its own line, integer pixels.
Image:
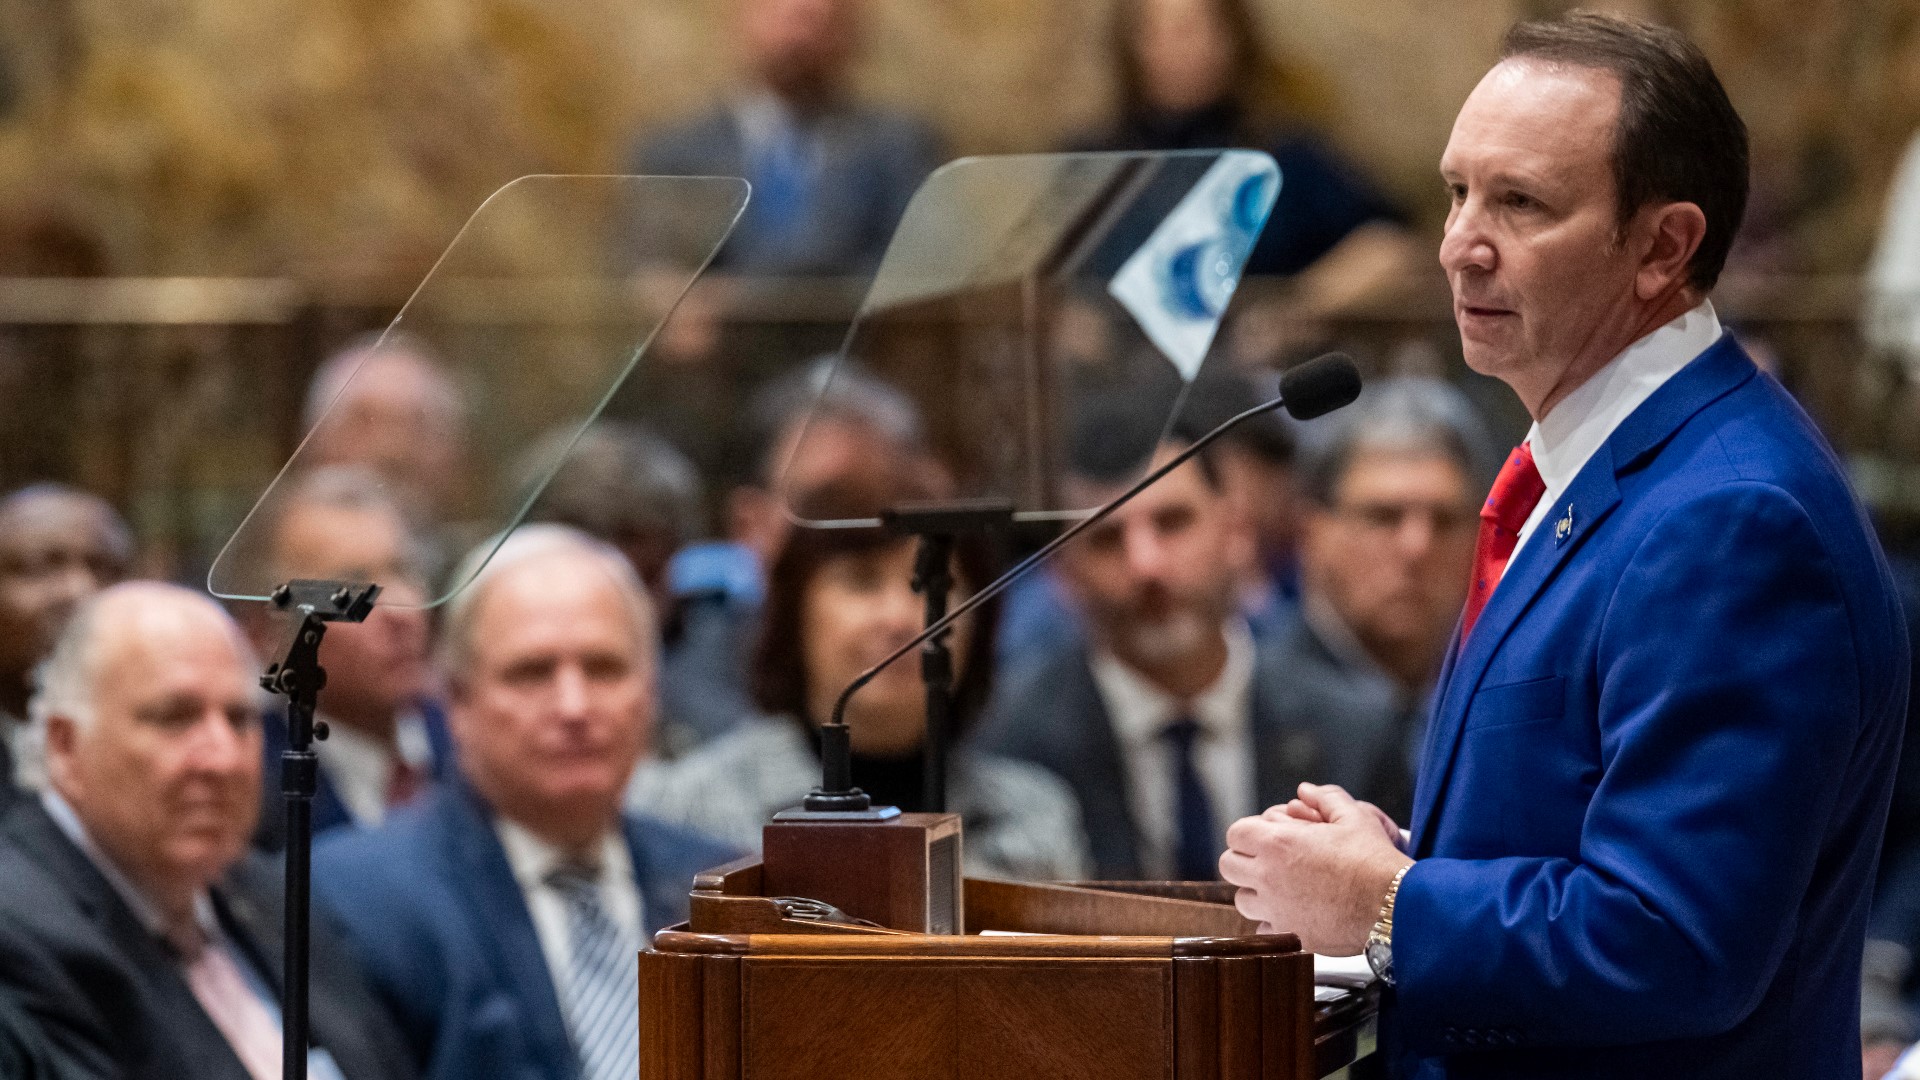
[
  {"x": 1223, "y": 753},
  {"x": 1585, "y": 419},
  {"x": 360, "y": 767},
  {"x": 532, "y": 859}
]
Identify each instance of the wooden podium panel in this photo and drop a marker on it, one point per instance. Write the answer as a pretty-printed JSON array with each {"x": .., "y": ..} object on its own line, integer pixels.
[{"x": 745, "y": 993}]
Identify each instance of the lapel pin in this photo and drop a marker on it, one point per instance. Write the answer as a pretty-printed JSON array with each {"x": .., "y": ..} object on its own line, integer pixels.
[{"x": 1563, "y": 528}]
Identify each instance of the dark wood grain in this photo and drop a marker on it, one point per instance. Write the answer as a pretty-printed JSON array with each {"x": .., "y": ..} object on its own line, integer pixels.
[
  {"x": 672, "y": 1013},
  {"x": 741, "y": 877},
  {"x": 1241, "y": 1018},
  {"x": 1066, "y": 909},
  {"x": 714, "y": 913},
  {"x": 720, "y": 1003},
  {"x": 1196, "y": 1018},
  {"x": 1206, "y": 892},
  {"x": 1286, "y": 1029},
  {"x": 1199, "y": 1001},
  {"x": 879, "y": 871}
]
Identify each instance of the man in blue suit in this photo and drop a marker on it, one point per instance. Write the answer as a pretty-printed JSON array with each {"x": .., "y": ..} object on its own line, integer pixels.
[
  {"x": 1663, "y": 747},
  {"x": 389, "y": 738},
  {"x": 500, "y": 917}
]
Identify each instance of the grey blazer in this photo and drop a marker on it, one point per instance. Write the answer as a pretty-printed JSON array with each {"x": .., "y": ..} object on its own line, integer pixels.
[{"x": 1310, "y": 721}]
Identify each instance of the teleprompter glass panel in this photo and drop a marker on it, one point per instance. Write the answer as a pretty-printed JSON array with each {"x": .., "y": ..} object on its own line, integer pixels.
[{"x": 458, "y": 414}]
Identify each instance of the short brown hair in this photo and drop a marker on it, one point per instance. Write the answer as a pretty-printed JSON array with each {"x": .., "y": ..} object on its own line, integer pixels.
[
  {"x": 1678, "y": 136},
  {"x": 780, "y": 681}
]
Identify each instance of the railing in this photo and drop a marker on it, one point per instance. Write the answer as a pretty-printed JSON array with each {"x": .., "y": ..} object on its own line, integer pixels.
[{"x": 178, "y": 398}]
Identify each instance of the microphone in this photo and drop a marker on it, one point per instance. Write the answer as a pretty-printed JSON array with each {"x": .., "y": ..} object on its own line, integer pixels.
[{"x": 1307, "y": 390}]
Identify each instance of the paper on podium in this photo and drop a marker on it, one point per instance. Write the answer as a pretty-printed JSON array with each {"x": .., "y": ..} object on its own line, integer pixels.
[{"x": 1351, "y": 972}]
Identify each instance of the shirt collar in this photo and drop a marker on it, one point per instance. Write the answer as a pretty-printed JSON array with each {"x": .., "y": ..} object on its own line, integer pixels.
[
  {"x": 1140, "y": 710},
  {"x": 533, "y": 859},
  {"x": 148, "y": 913},
  {"x": 1582, "y": 422}
]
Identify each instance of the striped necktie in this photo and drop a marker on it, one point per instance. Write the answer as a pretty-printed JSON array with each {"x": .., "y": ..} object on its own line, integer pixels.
[{"x": 602, "y": 998}]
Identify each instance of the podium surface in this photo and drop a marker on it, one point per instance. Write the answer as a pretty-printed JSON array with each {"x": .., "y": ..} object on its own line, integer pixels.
[{"x": 1068, "y": 981}]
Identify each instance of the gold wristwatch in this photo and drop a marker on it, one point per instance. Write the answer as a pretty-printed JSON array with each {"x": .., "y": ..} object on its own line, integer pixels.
[{"x": 1379, "y": 950}]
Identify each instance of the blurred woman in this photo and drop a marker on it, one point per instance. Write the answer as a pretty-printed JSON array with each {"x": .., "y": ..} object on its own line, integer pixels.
[
  {"x": 838, "y": 601},
  {"x": 1192, "y": 76}
]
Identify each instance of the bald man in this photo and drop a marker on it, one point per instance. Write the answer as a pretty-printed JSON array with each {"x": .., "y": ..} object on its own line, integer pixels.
[{"x": 125, "y": 888}]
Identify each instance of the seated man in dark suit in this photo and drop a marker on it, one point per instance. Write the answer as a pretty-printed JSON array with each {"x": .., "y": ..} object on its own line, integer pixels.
[
  {"x": 831, "y": 177},
  {"x": 1392, "y": 492},
  {"x": 388, "y": 738},
  {"x": 58, "y": 546},
  {"x": 1168, "y": 716},
  {"x": 135, "y": 929},
  {"x": 501, "y": 916}
]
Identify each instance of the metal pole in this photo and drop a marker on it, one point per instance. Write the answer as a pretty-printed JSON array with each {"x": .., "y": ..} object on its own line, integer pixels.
[{"x": 933, "y": 577}]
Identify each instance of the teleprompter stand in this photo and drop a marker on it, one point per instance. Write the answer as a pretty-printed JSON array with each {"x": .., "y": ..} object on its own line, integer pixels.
[
  {"x": 939, "y": 526},
  {"x": 297, "y": 674}
]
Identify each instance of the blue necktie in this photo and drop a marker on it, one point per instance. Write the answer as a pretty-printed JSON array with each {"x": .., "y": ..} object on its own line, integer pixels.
[
  {"x": 602, "y": 999},
  {"x": 1196, "y": 851},
  {"x": 783, "y": 184}
]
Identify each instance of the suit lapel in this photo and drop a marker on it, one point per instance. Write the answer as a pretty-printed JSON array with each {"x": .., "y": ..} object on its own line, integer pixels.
[
  {"x": 1574, "y": 516},
  {"x": 174, "y": 1019},
  {"x": 1097, "y": 760},
  {"x": 1588, "y": 501},
  {"x": 661, "y": 903},
  {"x": 506, "y": 925}
]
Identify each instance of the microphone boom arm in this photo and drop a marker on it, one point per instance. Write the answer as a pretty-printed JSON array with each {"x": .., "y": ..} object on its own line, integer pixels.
[{"x": 1027, "y": 564}]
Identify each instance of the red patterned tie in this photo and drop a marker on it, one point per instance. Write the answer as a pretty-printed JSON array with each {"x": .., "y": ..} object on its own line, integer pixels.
[{"x": 1515, "y": 492}]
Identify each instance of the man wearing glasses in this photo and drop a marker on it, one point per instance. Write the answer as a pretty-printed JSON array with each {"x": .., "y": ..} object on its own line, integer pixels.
[{"x": 1391, "y": 498}]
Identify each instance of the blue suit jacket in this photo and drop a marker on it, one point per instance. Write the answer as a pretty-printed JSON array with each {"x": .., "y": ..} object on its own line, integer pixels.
[
  {"x": 1656, "y": 776},
  {"x": 433, "y": 910},
  {"x": 329, "y": 811}
]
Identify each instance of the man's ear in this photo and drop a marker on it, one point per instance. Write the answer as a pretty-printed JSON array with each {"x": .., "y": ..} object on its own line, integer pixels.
[
  {"x": 62, "y": 736},
  {"x": 1674, "y": 232}
]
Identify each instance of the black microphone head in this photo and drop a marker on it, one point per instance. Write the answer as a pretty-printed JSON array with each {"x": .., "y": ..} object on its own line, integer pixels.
[{"x": 1319, "y": 386}]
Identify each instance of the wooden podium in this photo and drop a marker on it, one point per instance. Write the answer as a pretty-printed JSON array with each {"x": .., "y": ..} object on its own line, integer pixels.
[{"x": 1101, "y": 979}]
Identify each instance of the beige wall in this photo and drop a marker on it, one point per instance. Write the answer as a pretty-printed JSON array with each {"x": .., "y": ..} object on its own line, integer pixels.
[{"x": 348, "y": 138}]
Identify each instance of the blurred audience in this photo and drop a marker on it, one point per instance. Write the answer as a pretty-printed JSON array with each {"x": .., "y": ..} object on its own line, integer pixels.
[
  {"x": 1193, "y": 75},
  {"x": 1254, "y": 462},
  {"x": 1164, "y": 719},
  {"x": 622, "y": 484},
  {"x": 838, "y": 601},
  {"x": 1890, "y": 982},
  {"x": 1393, "y": 488},
  {"x": 500, "y": 916},
  {"x": 831, "y": 176},
  {"x": 391, "y": 407},
  {"x": 58, "y": 546},
  {"x": 1891, "y": 316},
  {"x": 388, "y": 735},
  {"x": 125, "y": 887},
  {"x": 821, "y": 426}
]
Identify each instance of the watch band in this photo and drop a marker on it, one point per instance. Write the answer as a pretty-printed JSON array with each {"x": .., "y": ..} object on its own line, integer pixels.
[{"x": 1379, "y": 951}]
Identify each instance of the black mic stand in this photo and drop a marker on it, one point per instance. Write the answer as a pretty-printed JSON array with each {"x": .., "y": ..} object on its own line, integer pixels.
[
  {"x": 297, "y": 674},
  {"x": 1312, "y": 389},
  {"x": 939, "y": 528}
]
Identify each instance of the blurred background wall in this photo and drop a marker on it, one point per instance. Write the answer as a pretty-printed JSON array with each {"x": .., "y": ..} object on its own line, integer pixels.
[
  {"x": 347, "y": 139},
  {"x": 204, "y": 197}
]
